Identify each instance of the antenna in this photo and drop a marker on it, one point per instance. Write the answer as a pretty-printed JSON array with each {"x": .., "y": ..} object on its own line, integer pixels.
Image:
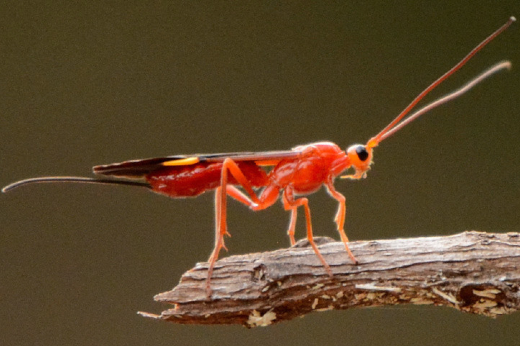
[{"x": 373, "y": 142}]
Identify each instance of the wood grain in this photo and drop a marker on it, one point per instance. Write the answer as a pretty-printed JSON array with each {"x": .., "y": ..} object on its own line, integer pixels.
[{"x": 473, "y": 272}]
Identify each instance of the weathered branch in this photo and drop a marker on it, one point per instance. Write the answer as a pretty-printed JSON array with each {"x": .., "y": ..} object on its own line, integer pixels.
[{"x": 473, "y": 272}]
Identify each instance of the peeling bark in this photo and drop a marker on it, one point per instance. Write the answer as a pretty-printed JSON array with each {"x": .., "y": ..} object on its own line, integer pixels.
[{"x": 473, "y": 272}]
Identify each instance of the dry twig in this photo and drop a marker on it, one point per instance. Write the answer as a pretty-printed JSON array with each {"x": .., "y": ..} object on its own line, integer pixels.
[{"x": 473, "y": 272}]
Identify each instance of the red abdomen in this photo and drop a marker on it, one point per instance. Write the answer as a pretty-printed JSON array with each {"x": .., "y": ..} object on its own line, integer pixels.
[{"x": 193, "y": 180}]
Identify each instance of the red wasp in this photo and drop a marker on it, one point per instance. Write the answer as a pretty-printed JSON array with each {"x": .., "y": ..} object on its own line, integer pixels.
[{"x": 300, "y": 171}]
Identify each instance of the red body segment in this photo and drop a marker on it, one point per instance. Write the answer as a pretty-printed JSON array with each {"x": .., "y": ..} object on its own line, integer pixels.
[
  {"x": 193, "y": 180},
  {"x": 317, "y": 164}
]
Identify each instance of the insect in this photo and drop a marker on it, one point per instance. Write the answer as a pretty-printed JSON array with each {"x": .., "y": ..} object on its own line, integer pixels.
[{"x": 300, "y": 171}]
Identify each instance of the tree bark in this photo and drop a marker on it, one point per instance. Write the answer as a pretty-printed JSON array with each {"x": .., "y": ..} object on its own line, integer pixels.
[{"x": 473, "y": 272}]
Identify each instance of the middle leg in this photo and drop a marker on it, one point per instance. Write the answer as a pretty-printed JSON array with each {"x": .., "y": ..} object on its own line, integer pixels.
[{"x": 292, "y": 204}]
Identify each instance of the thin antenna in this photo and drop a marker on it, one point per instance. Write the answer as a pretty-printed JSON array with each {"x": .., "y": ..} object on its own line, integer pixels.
[
  {"x": 80, "y": 180},
  {"x": 379, "y": 137},
  {"x": 503, "y": 65}
]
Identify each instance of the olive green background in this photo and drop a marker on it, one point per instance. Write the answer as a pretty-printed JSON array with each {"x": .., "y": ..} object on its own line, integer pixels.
[{"x": 104, "y": 82}]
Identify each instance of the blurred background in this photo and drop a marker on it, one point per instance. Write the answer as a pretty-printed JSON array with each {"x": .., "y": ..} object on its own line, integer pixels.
[{"x": 102, "y": 82}]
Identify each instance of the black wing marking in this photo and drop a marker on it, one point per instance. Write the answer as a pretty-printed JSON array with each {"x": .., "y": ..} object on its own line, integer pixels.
[{"x": 139, "y": 168}]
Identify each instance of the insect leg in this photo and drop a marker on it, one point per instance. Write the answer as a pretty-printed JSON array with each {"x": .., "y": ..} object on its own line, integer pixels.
[
  {"x": 219, "y": 239},
  {"x": 340, "y": 216},
  {"x": 292, "y": 223},
  {"x": 268, "y": 197},
  {"x": 291, "y": 204}
]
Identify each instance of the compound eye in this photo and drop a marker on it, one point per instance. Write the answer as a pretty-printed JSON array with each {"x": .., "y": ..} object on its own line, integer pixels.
[{"x": 362, "y": 153}]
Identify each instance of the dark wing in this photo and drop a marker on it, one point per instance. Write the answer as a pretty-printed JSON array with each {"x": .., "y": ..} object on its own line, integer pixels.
[{"x": 139, "y": 168}]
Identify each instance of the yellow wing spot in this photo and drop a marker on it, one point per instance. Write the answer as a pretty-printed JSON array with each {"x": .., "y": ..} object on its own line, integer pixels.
[
  {"x": 267, "y": 162},
  {"x": 182, "y": 162}
]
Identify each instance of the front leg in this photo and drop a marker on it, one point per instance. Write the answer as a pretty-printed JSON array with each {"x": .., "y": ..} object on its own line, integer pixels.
[{"x": 340, "y": 216}]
